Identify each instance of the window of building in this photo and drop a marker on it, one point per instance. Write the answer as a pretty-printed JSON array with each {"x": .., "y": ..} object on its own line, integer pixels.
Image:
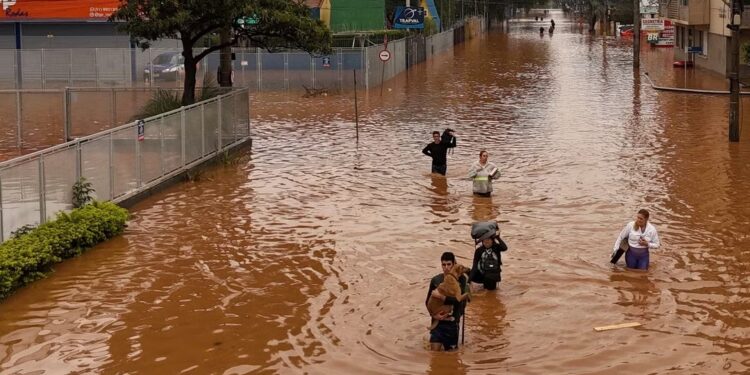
[
  {"x": 684, "y": 2},
  {"x": 679, "y": 37}
]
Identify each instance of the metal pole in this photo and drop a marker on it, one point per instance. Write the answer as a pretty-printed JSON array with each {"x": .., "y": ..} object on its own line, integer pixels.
[
  {"x": 203, "y": 132},
  {"x": 182, "y": 136},
  {"x": 138, "y": 173},
  {"x": 66, "y": 134},
  {"x": 218, "y": 128},
  {"x": 111, "y": 168},
  {"x": 734, "y": 82},
  {"x": 636, "y": 34},
  {"x": 96, "y": 66},
  {"x": 161, "y": 148},
  {"x": 19, "y": 119},
  {"x": 41, "y": 67},
  {"x": 259, "y": 68},
  {"x": 356, "y": 110},
  {"x": 114, "y": 108},
  {"x": 42, "y": 192},
  {"x": 286, "y": 71},
  {"x": 79, "y": 161},
  {"x": 70, "y": 68},
  {"x": 2, "y": 224}
]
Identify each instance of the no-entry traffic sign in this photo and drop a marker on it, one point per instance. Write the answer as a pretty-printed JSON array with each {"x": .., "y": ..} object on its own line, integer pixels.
[{"x": 385, "y": 55}]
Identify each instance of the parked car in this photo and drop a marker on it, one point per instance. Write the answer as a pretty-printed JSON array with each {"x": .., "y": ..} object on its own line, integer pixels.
[
  {"x": 626, "y": 30},
  {"x": 167, "y": 66}
]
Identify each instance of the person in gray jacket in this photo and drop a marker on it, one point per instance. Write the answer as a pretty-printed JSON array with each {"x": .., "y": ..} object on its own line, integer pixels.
[{"x": 482, "y": 173}]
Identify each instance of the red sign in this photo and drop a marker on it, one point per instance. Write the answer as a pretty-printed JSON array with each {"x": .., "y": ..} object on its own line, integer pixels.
[
  {"x": 384, "y": 55},
  {"x": 58, "y": 9}
]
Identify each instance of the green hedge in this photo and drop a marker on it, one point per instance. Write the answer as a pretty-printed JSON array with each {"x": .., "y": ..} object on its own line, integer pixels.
[{"x": 30, "y": 256}]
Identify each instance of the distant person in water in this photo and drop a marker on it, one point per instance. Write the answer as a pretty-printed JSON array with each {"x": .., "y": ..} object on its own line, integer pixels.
[
  {"x": 552, "y": 23},
  {"x": 541, "y": 31}
]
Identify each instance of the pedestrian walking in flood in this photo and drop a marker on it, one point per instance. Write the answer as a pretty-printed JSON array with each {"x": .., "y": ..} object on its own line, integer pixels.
[
  {"x": 444, "y": 336},
  {"x": 482, "y": 173},
  {"x": 641, "y": 237},
  {"x": 487, "y": 263},
  {"x": 438, "y": 150}
]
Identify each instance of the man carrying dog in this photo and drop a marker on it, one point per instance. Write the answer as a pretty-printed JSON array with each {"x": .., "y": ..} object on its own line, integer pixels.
[{"x": 445, "y": 335}]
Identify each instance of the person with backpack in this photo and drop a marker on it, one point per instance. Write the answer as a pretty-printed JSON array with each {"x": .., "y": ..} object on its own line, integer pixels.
[{"x": 486, "y": 267}]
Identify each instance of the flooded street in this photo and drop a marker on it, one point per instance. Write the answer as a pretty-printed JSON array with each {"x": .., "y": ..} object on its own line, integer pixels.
[{"x": 313, "y": 253}]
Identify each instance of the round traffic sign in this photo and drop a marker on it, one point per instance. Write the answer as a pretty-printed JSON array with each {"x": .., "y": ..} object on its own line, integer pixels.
[{"x": 385, "y": 55}]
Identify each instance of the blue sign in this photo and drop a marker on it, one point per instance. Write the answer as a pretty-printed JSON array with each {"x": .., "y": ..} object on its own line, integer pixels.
[
  {"x": 409, "y": 18},
  {"x": 141, "y": 130},
  {"x": 696, "y": 49}
]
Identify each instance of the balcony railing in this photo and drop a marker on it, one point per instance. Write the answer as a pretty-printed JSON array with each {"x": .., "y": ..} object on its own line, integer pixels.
[{"x": 696, "y": 12}]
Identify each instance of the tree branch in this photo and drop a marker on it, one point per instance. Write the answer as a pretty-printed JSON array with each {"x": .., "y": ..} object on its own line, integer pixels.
[{"x": 214, "y": 48}]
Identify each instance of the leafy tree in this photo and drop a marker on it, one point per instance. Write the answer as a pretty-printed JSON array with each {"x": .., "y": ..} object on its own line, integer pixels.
[{"x": 281, "y": 24}]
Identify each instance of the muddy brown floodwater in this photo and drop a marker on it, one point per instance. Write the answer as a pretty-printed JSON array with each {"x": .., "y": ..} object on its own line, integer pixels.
[{"x": 313, "y": 254}]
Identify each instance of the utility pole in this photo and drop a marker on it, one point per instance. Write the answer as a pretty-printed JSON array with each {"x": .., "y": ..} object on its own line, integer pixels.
[
  {"x": 637, "y": 34},
  {"x": 734, "y": 79}
]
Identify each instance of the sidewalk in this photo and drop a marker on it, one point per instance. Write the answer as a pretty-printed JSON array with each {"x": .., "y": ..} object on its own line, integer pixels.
[{"x": 657, "y": 62}]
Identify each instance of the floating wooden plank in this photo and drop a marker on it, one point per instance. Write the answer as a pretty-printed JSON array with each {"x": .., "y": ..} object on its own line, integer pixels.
[{"x": 617, "y": 326}]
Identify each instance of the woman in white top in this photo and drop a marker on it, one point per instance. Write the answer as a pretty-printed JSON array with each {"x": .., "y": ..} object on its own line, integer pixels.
[
  {"x": 641, "y": 237},
  {"x": 482, "y": 173}
]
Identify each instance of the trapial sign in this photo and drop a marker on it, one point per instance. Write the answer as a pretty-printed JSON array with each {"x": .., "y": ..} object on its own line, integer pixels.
[{"x": 384, "y": 55}]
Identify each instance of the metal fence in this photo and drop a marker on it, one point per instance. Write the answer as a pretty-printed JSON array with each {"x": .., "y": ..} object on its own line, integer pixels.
[
  {"x": 116, "y": 67},
  {"x": 32, "y": 119},
  {"x": 118, "y": 162},
  {"x": 252, "y": 68}
]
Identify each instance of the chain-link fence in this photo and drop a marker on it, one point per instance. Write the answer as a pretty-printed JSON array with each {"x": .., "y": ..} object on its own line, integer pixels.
[
  {"x": 254, "y": 68},
  {"x": 120, "y": 162},
  {"x": 34, "y": 119}
]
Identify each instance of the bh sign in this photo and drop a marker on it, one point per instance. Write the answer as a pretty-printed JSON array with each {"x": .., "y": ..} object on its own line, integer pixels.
[{"x": 409, "y": 18}]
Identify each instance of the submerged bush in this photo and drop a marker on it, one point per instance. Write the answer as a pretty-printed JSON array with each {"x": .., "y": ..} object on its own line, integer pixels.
[
  {"x": 29, "y": 257},
  {"x": 168, "y": 100}
]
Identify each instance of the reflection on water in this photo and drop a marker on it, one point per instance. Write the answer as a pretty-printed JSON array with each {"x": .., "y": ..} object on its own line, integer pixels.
[{"x": 314, "y": 253}]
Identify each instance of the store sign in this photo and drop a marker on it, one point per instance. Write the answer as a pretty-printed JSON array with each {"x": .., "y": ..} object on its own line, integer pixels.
[
  {"x": 649, "y": 9},
  {"x": 58, "y": 9},
  {"x": 666, "y": 37},
  {"x": 652, "y": 24},
  {"x": 409, "y": 18}
]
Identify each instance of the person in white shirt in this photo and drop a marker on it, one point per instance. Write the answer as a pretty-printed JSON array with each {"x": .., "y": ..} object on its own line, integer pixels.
[
  {"x": 482, "y": 173},
  {"x": 641, "y": 237}
]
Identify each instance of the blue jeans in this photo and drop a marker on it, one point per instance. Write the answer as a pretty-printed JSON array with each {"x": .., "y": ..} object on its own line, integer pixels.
[
  {"x": 637, "y": 258},
  {"x": 441, "y": 169}
]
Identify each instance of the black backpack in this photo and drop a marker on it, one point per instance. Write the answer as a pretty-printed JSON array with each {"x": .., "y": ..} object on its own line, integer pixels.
[{"x": 489, "y": 265}]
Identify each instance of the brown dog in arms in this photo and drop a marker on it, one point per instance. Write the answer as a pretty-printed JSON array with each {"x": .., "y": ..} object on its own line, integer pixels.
[{"x": 450, "y": 287}]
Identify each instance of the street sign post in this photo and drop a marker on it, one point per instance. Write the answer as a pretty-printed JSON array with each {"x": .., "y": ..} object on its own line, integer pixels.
[
  {"x": 141, "y": 130},
  {"x": 384, "y": 55},
  {"x": 245, "y": 22}
]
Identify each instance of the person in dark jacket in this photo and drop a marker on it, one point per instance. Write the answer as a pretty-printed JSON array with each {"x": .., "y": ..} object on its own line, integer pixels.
[
  {"x": 445, "y": 335},
  {"x": 486, "y": 267},
  {"x": 438, "y": 150}
]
